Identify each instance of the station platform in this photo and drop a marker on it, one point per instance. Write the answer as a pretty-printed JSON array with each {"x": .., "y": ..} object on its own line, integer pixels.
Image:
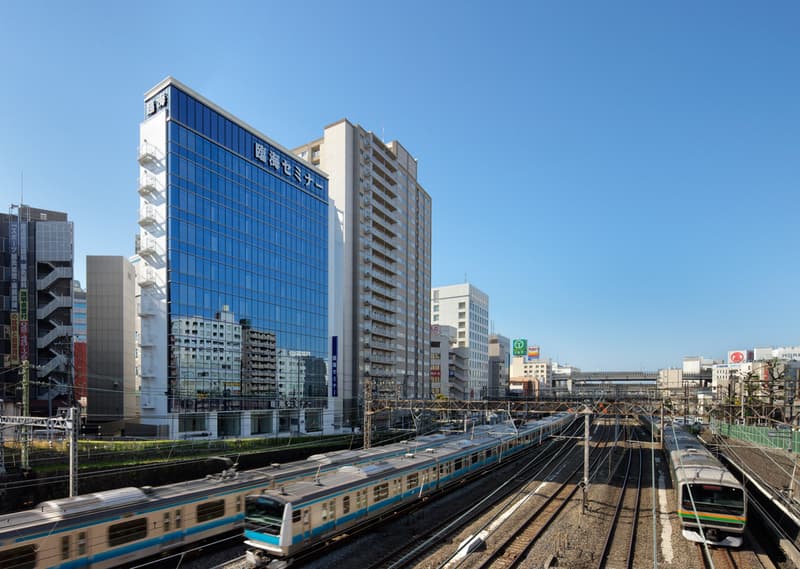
[{"x": 771, "y": 470}]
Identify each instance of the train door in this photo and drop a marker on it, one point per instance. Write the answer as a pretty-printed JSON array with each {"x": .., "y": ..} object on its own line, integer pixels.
[{"x": 306, "y": 523}]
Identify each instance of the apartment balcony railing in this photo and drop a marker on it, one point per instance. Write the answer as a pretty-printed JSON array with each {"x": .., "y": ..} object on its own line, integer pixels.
[
  {"x": 149, "y": 215},
  {"x": 149, "y": 247},
  {"x": 149, "y": 185},
  {"x": 149, "y": 154}
]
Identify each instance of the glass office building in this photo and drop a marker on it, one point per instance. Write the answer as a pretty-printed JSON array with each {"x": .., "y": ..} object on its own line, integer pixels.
[{"x": 233, "y": 274}]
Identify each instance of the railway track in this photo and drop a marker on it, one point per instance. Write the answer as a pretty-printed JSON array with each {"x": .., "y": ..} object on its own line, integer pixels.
[
  {"x": 509, "y": 547},
  {"x": 404, "y": 555},
  {"x": 727, "y": 558},
  {"x": 404, "y": 535},
  {"x": 618, "y": 549}
]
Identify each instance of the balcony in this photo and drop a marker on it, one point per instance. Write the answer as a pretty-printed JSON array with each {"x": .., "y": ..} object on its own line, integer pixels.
[
  {"x": 148, "y": 278},
  {"x": 149, "y": 247},
  {"x": 149, "y": 154},
  {"x": 149, "y": 185},
  {"x": 149, "y": 216}
]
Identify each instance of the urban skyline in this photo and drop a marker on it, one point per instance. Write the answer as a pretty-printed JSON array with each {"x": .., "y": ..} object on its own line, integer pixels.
[{"x": 624, "y": 198}]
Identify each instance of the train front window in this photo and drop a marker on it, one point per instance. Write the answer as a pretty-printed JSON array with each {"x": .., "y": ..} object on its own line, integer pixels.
[
  {"x": 264, "y": 514},
  {"x": 714, "y": 498}
]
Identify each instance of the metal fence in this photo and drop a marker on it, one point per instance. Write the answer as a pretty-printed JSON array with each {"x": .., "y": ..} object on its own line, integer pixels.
[{"x": 782, "y": 438}]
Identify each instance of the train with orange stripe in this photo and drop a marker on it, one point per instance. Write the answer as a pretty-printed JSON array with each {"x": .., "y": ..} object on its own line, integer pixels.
[{"x": 711, "y": 502}]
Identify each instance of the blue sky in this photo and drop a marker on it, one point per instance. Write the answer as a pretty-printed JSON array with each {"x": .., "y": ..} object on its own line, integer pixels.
[{"x": 620, "y": 177}]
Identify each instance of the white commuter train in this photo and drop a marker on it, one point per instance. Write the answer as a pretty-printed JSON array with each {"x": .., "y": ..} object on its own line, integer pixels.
[
  {"x": 711, "y": 502},
  {"x": 282, "y": 522},
  {"x": 112, "y": 528}
]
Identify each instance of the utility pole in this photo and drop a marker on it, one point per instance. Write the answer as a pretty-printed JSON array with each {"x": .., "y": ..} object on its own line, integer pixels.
[{"x": 586, "y": 414}]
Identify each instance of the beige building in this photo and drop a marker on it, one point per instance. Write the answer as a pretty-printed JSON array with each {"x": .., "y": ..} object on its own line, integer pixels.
[
  {"x": 380, "y": 266},
  {"x": 540, "y": 370},
  {"x": 449, "y": 364}
]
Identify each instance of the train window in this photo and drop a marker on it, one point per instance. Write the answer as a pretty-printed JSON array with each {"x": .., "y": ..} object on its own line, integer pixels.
[
  {"x": 295, "y": 516},
  {"x": 346, "y": 505},
  {"x": 239, "y": 503},
  {"x": 441, "y": 469},
  {"x": 713, "y": 498},
  {"x": 65, "y": 547},
  {"x": 19, "y": 558},
  {"x": 332, "y": 509},
  {"x": 178, "y": 519},
  {"x": 324, "y": 511},
  {"x": 82, "y": 543},
  {"x": 488, "y": 452},
  {"x": 474, "y": 458},
  {"x": 380, "y": 492},
  {"x": 167, "y": 520},
  {"x": 458, "y": 464},
  {"x": 210, "y": 510},
  {"x": 397, "y": 486},
  {"x": 412, "y": 481},
  {"x": 126, "y": 532}
]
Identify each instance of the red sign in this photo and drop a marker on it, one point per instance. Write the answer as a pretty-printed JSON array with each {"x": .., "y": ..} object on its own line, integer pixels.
[{"x": 736, "y": 357}]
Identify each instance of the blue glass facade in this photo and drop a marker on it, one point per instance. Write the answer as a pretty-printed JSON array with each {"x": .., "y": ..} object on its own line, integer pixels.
[{"x": 247, "y": 236}]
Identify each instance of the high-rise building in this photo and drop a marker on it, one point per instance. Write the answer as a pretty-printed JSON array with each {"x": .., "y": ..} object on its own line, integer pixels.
[
  {"x": 381, "y": 243},
  {"x": 499, "y": 365},
  {"x": 466, "y": 307},
  {"x": 36, "y": 295},
  {"x": 111, "y": 307},
  {"x": 233, "y": 229}
]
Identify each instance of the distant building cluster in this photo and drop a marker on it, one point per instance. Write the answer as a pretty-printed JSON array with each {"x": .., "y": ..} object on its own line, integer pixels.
[{"x": 268, "y": 289}]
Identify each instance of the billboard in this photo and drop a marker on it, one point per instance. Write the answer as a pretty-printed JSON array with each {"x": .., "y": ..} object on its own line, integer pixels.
[
  {"x": 737, "y": 356},
  {"x": 533, "y": 352},
  {"x": 520, "y": 347}
]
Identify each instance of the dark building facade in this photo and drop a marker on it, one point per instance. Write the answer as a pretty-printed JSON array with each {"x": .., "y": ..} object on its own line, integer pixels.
[{"x": 36, "y": 259}]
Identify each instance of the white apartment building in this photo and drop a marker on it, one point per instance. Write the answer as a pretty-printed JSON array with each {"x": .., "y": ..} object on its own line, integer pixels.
[
  {"x": 529, "y": 368},
  {"x": 380, "y": 255},
  {"x": 466, "y": 307}
]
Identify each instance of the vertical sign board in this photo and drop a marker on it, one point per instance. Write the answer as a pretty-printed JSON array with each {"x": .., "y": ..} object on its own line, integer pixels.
[
  {"x": 520, "y": 347},
  {"x": 335, "y": 366},
  {"x": 14, "y": 338},
  {"x": 533, "y": 352}
]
